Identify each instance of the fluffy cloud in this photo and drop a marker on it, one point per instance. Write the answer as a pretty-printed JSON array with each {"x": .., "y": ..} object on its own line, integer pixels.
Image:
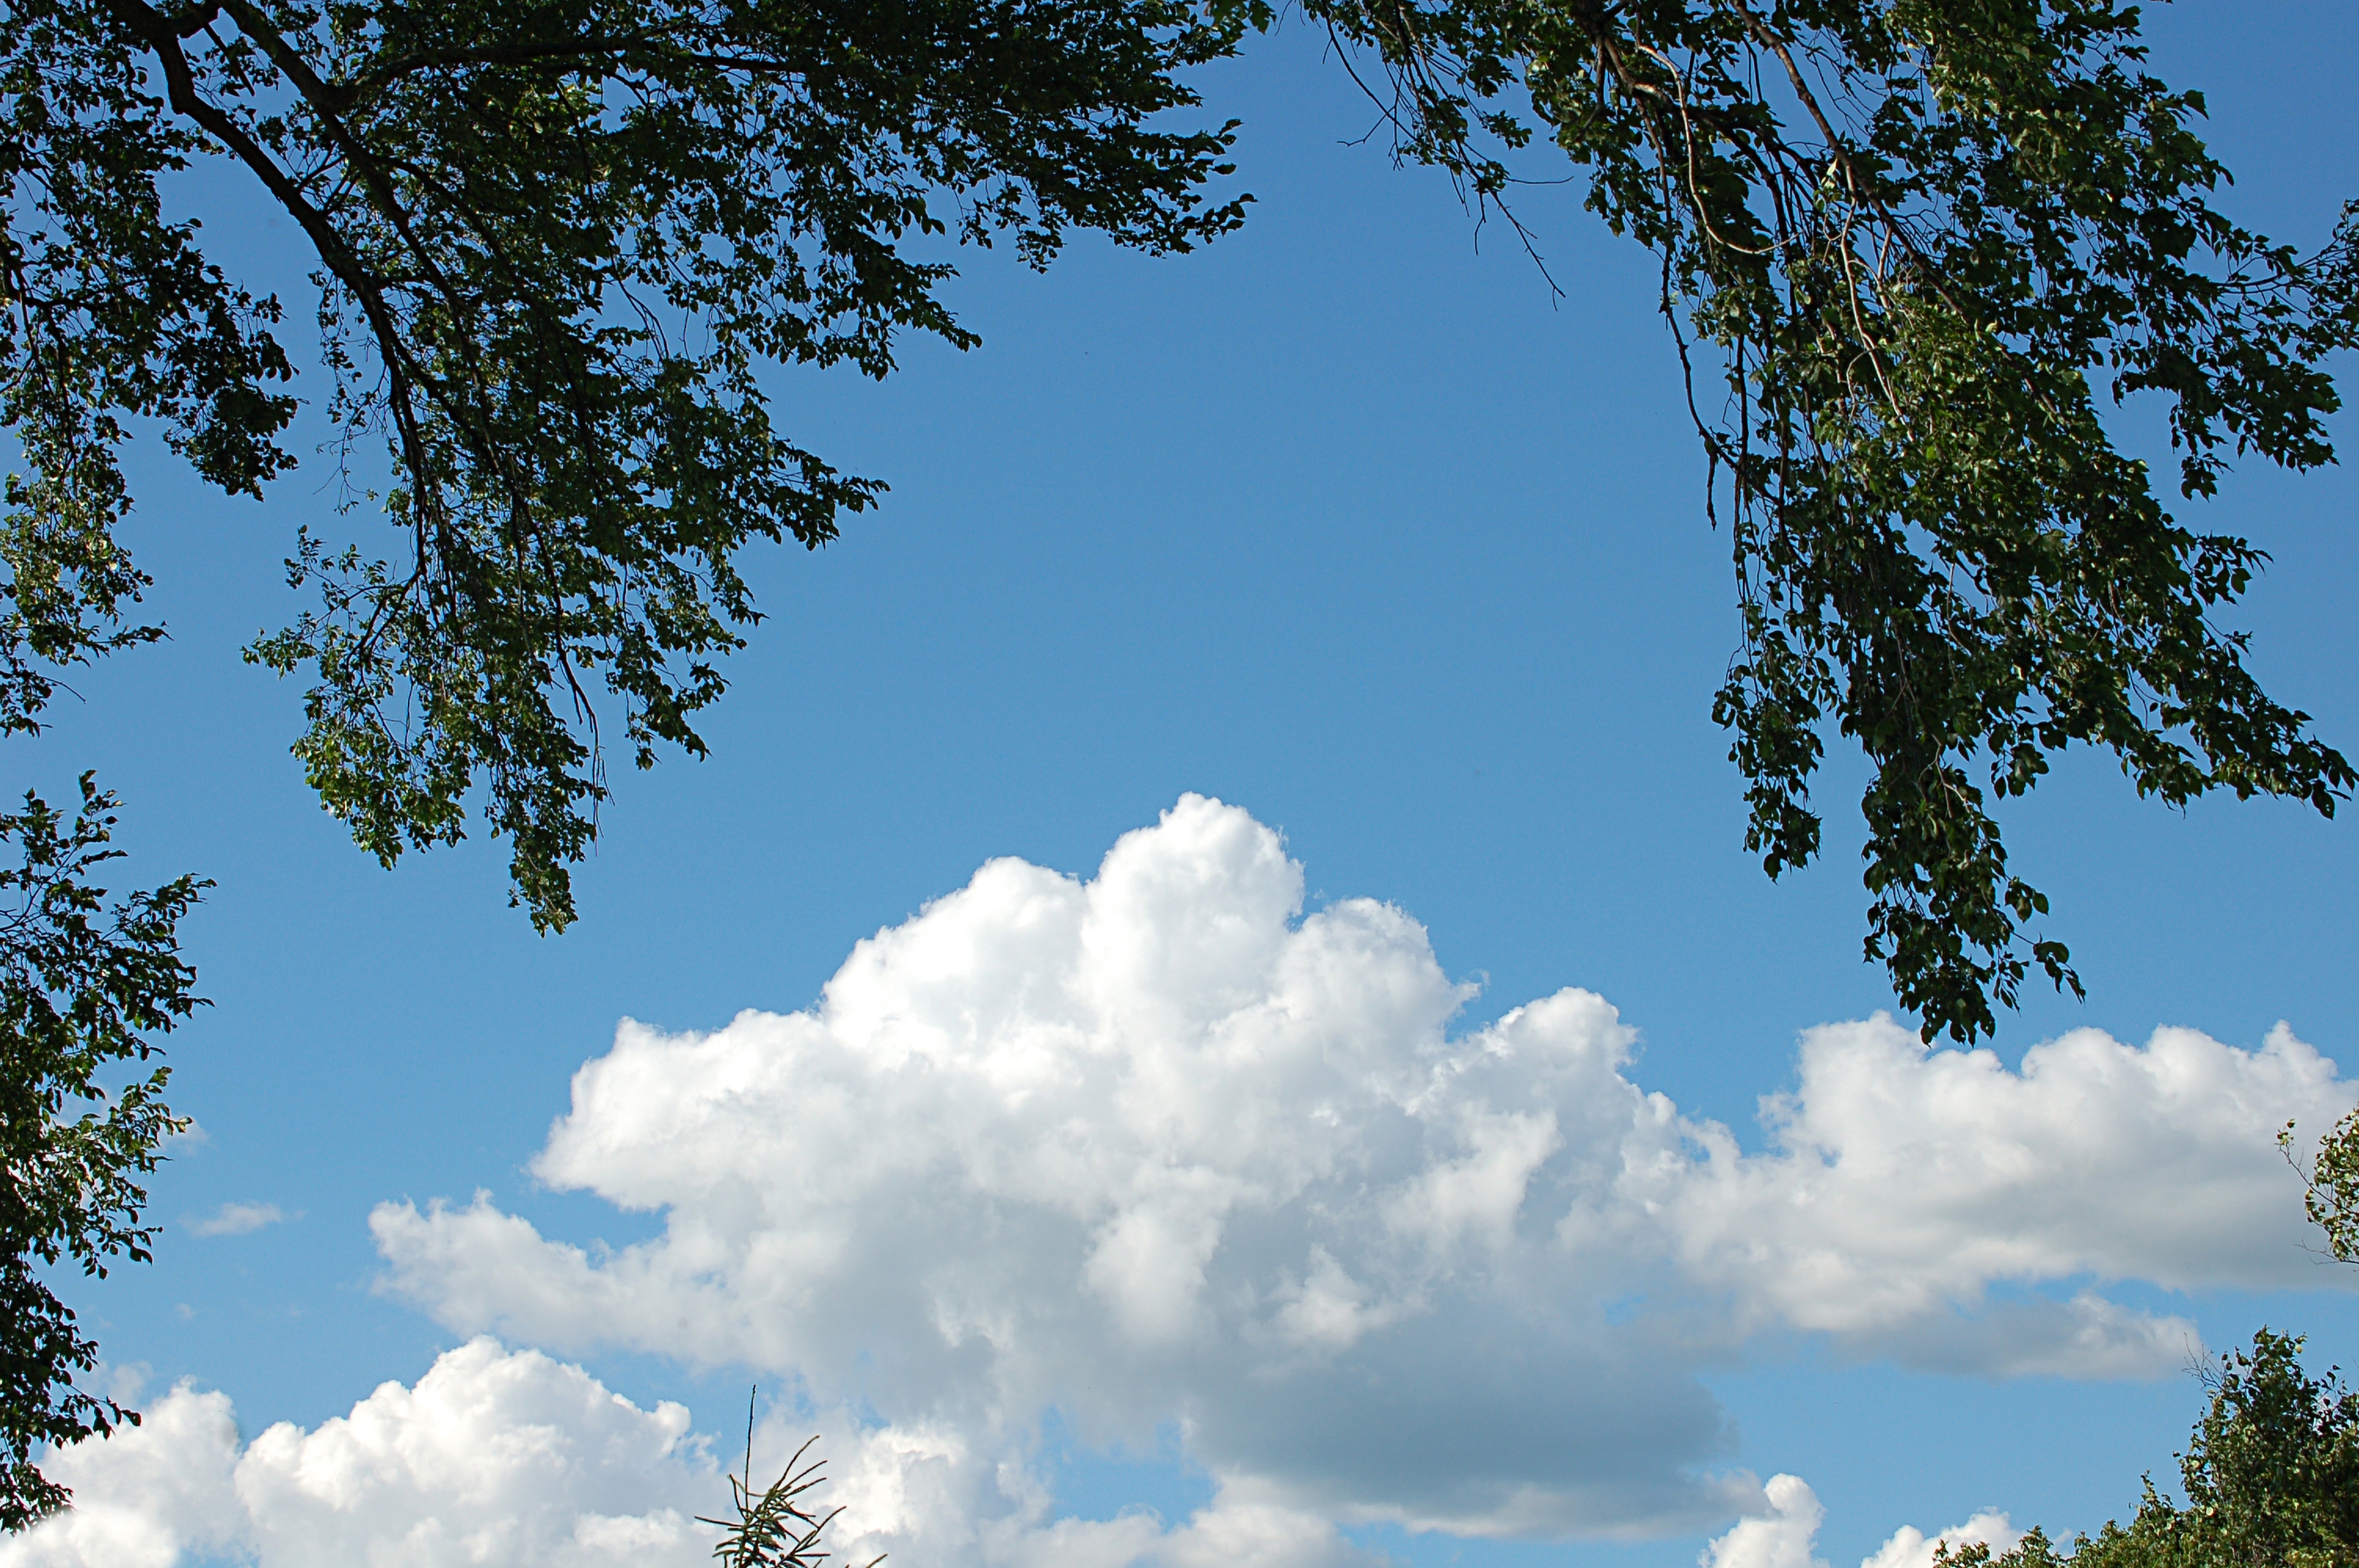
[
  {"x": 494, "y": 1457},
  {"x": 1783, "y": 1535},
  {"x": 509, "y": 1457},
  {"x": 1156, "y": 1148},
  {"x": 146, "y": 1496},
  {"x": 928, "y": 1493},
  {"x": 1905, "y": 1179}
]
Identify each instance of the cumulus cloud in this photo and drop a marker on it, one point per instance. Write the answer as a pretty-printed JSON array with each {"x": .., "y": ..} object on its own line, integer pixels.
[
  {"x": 495, "y": 1456},
  {"x": 1781, "y": 1536},
  {"x": 927, "y": 1492},
  {"x": 1912, "y": 1548},
  {"x": 1154, "y": 1147},
  {"x": 1159, "y": 1151},
  {"x": 237, "y": 1219},
  {"x": 1785, "y": 1533},
  {"x": 509, "y": 1457},
  {"x": 1905, "y": 1178},
  {"x": 146, "y": 1496}
]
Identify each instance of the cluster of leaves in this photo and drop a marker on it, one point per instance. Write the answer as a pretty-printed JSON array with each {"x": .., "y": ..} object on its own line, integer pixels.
[
  {"x": 1928, "y": 241},
  {"x": 556, "y": 239},
  {"x": 108, "y": 312},
  {"x": 2271, "y": 1475},
  {"x": 2330, "y": 1185},
  {"x": 84, "y": 984}
]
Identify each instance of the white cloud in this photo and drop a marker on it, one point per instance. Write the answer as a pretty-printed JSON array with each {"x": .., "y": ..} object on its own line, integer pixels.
[
  {"x": 237, "y": 1219},
  {"x": 146, "y": 1496},
  {"x": 929, "y": 1494},
  {"x": 1912, "y": 1548},
  {"x": 1783, "y": 1534},
  {"x": 1151, "y": 1148},
  {"x": 1906, "y": 1178},
  {"x": 509, "y": 1457},
  {"x": 494, "y": 1457}
]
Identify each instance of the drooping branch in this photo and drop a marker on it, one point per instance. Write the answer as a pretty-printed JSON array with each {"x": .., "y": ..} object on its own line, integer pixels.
[{"x": 1938, "y": 553}]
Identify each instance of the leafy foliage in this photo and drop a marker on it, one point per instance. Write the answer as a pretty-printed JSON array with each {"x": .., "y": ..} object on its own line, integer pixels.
[
  {"x": 2271, "y": 1475},
  {"x": 2034, "y": 1551},
  {"x": 109, "y": 313},
  {"x": 2331, "y": 1185},
  {"x": 1928, "y": 239},
  {"x": 84, "y": 984},
  {"x": 555, "y": 240}
]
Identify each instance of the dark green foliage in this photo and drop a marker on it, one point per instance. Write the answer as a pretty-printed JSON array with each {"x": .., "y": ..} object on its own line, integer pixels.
[
  {"x": 84, "y": 984},
  {"x": 109, "y": 313},
  {"x": 2272, "y": 1471},
  {"x": 1929, "y": 240},
  {"x": 557, "y": 240}
]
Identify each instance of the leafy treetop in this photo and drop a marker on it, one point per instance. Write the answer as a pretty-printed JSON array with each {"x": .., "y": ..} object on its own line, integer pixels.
[
  {"x": 2271, "y": 1475},
  {"x": 1926, "y": 241}
]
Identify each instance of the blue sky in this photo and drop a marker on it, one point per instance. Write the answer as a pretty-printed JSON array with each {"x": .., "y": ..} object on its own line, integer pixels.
[{"x": 1346, "y": 523}]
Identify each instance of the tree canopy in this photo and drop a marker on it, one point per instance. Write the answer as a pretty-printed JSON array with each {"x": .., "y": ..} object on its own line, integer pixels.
[
  {"x": 1920, "y": 244},
  {"x": 2270, "y": 1473}
]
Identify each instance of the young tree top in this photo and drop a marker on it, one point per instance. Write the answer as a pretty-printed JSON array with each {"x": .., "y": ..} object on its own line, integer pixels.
[{"x": 2271, "y": 1475}]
